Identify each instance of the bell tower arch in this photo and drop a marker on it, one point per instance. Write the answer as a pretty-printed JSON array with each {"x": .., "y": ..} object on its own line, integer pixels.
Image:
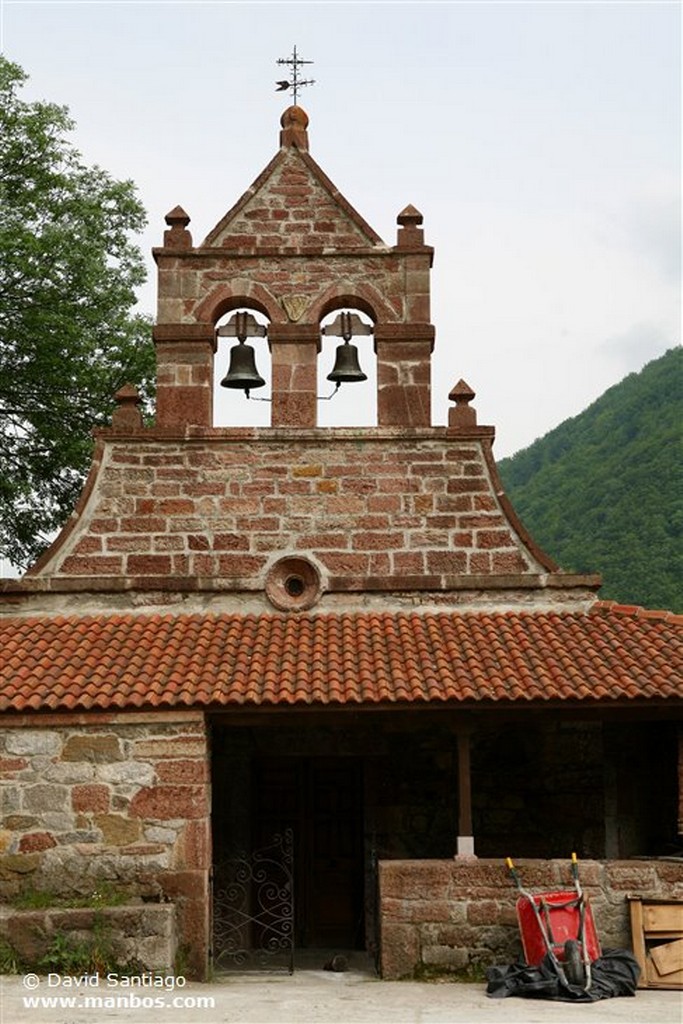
[{"x": 294, "y": 248}]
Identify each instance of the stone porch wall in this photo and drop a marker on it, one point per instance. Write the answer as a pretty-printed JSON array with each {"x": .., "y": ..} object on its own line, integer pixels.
[
  {"x": 459, "y": 916},
  {"x": 145, "y": 935},
  {"x": 120, "y": 800}
]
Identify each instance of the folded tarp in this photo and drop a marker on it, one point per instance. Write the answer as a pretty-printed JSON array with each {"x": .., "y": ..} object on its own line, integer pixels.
[{"x": 615, "y": 973}]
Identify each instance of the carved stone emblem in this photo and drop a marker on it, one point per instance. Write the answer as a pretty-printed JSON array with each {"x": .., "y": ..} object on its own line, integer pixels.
[{"x": 294, "y": 306}]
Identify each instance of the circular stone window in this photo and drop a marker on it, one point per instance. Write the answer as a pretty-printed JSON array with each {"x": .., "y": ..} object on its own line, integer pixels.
[{"x": 293, "y": 584}]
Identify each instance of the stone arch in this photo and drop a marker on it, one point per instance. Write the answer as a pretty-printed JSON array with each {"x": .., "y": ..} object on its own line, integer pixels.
[
  {"x": 342, "y": 412},
  {"x": 238, "y": 294},
  {"x": 358, "y": 296}
]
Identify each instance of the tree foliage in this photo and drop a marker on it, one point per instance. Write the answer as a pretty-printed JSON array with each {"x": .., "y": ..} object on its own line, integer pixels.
[
  {"x": 68, "y": 338},
  {"x": 603, "y": 492}
]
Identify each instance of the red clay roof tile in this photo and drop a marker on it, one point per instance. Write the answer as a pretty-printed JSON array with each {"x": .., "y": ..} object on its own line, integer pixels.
[{"x": 118, "y": 661}]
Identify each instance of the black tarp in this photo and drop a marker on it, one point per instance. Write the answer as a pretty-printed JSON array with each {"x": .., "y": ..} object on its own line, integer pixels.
[{"x": 615, "y": 973}]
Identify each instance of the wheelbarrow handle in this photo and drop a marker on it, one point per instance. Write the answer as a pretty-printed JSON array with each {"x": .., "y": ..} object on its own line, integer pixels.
[
  {"x": 513, "y": 873},
  {"x": 575, "y": 876}
]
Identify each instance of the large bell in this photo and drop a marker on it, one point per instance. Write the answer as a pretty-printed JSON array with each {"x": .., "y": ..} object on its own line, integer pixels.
[
  {"x": 242, "y": 372},
  {"x": 346, "y": 366}
]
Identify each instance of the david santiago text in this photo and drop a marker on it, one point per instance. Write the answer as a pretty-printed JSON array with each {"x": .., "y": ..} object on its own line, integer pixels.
[{"x": 113, "y": 980}]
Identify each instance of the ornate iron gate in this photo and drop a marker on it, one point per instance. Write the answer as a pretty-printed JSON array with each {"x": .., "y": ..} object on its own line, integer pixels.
[{"x": 253, "y": 916}]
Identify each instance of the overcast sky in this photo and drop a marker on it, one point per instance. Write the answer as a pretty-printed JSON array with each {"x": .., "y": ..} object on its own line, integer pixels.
[{"x": 541, "y": 141}]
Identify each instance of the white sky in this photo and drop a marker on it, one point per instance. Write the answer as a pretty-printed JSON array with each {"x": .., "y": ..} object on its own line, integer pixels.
[{"x": 541, "y": 141}]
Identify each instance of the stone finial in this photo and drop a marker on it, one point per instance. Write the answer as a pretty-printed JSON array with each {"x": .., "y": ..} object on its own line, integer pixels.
[
  {"x": 294, "y": 123},
  {"x": 410, "y": 216},
  {"x": 462, "y": 416},
  {"x": 409, "y": 232},
  {"x": 178, "y": 237},
  {"x": 127, "y": 415}
]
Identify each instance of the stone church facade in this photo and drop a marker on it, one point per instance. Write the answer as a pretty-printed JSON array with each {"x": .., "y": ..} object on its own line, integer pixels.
[{"x": 342, "y": 634}]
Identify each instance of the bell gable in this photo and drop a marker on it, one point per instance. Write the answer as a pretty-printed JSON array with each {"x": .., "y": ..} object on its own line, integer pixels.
[{"x": 292, "y": 206}]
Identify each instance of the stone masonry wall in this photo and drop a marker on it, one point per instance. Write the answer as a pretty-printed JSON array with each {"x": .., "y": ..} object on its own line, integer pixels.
[
  {"x": 116, "y": 799},
  {"x": 291, "y": 237},
  {"x": 290, "y": 208},
  {"x": 366, "y": 507},
  {"x": 143, "y": 935},
  {"x": 458, "y": 916}
]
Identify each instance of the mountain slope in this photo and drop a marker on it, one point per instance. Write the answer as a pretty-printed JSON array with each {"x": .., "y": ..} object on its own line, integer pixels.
[{"x": 603, "y": 492}]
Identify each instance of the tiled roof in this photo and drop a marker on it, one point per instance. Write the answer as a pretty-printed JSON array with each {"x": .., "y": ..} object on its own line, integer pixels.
[{"x": 130, "y": 661}]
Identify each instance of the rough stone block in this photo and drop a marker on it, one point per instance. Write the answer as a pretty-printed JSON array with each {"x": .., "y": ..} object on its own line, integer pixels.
[
  {"x": 137, "y": 850},
  {"x": 194, "y": 845},
  {"x": 148, "y": 565},
  {"x": 34, "y": 842},
  {"x": 158, "y": 834},
  {"x": 449, "y": 562},
  {"x": 117, "y": 830},
  {"x": 27, "y": 741},
  {"x": 631, "y": 876},
  {"x": 483, "y": 912},
  {"x": 57, "y": 821},
  {"x": 165, "y": 802},
  {"x": 127, "y": 773},
  {"x": 20, "y": 822},
  {"x": 12, "y": 765},
  {"x": 445, "y": 956},
  {"x": 170, "y": 747},
  {"x": 185, "y": 885},
  {"x": 184, "y": 771},
  {"x": 45, "y": 797},
  {"x": 408, "y": 880},
  {"x": 90, "y": 798},
  {"x": 69, "y": 772},
  {"x": 18, "y": 864},
  {"x": 505, "y": 562},
  {"x": 400, "y": 951},
  {"x": 98, "y": 748}
]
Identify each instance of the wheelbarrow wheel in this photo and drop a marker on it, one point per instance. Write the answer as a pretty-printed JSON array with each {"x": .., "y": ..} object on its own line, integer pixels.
[{"x": 573, "y": 966}]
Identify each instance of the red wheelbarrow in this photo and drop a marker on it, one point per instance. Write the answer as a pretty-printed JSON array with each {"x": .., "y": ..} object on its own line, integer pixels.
[{"x": 558, "y": 925}]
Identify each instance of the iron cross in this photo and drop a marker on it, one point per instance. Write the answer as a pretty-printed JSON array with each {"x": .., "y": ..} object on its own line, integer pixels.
[{"x": 294, "y": 82}]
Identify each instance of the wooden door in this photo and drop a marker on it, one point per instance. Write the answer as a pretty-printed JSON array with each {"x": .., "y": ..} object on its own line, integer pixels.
[{"x": 321, "y": 800}]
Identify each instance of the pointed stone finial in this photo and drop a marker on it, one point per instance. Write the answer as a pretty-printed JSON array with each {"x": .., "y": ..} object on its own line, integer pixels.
[
  {"x": 177, "y": 216},
  {"x": 294, "y": 123},
  {"x": 462, "y": 416},
  {"x": 409, "y": 232},
  {"x": 178, "y": 237},
  {"x": 127, "y": 415},
  {"x": 410, "y": 216}
]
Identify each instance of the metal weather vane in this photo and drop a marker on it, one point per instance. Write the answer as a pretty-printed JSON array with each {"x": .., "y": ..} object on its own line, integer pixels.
[{"x": 294, "y": 82}]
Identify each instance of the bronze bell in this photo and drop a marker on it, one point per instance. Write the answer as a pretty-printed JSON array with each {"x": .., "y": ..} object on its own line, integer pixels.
[
  {"x": 242, "y": 372},
  {"x": 346, "y": 366}
]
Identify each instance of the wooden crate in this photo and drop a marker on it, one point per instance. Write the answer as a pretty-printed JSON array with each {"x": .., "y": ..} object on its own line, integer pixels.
[{"x": 657, "y": 933}]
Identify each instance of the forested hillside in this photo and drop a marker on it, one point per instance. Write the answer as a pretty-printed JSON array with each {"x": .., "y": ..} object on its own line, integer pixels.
[{"x": 603, "y": 492}]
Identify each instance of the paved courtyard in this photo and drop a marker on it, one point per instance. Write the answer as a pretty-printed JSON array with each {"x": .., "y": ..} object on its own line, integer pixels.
[{"x": 316, "y": 997}]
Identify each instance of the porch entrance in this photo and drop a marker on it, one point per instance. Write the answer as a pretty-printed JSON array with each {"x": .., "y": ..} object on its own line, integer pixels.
[{"x": 321, "y": 800}]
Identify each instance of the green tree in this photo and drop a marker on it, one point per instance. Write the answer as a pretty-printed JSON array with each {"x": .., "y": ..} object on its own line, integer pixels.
[
  {"x": 603, "y": 492},
  {"x": 68, "y": 338}
]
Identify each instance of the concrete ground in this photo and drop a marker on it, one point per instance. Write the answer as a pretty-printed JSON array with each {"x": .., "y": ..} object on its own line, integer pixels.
[{"x": 315, "y": 997}]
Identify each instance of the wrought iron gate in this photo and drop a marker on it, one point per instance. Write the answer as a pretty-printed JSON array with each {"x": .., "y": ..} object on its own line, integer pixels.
[{"x": 253, "y": 916}]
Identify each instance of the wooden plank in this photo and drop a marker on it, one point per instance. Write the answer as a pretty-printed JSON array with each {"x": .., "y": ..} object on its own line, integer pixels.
[
  {"x": 672, "y": 982},
  {"x": 663, "y": 917},
  {"x": 638, "y": 940},
  {"x": 668, "y": 958}
]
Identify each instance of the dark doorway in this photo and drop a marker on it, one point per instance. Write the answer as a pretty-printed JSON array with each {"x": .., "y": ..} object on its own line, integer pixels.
[{"x": 321, "y": 800}]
